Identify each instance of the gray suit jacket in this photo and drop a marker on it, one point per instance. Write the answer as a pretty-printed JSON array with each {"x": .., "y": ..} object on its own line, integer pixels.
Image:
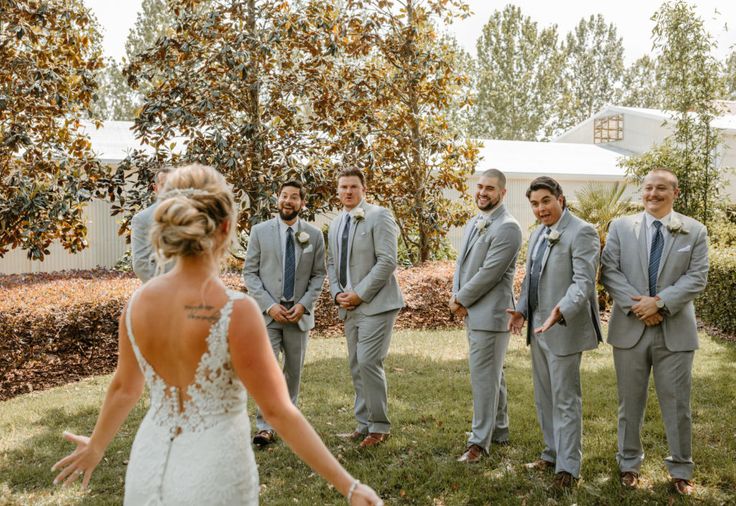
[
  {"x": 568, "y": 278},
  {"x": 264, "y": 268},
  {"x": 484, "y": 274},
  {"x": 683, "y": 272},
  {"x": 373, "y": 261},
  {"x": 144, "y": 262}
]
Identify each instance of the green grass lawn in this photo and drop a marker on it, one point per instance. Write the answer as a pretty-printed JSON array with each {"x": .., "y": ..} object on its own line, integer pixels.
[{"x": 430, "y": 406}]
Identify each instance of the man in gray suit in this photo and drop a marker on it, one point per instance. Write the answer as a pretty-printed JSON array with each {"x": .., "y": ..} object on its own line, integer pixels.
[
  {"x": 559, "y": 300},
  {"x": 144, "y": 262},
  {"x": 284, "y": 272},
  {"x": 482, "y": 290},
  {"x": 361, "y": 264},
  {"x": 653, "y": 323}
]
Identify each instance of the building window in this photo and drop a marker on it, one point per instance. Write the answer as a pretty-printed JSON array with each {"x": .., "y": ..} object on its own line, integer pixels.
[{"x": 608, "y": 129}]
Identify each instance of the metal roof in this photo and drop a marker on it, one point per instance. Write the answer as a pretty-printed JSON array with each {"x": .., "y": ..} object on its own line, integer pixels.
[{"x": 551, "y": 158}]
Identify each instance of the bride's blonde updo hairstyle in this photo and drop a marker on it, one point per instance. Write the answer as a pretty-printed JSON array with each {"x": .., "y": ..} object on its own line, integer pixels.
[{"x": 194, "y": 203}]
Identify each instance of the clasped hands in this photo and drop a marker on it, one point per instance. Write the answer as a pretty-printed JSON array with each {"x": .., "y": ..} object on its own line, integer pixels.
[
  {"x": 517, "y": 321},
  {"x": 348, "y": 300},
  {"x": 457, "y": 309},
  {"x": 646, "y": 310},
  {"x": 282, "y": 315}
]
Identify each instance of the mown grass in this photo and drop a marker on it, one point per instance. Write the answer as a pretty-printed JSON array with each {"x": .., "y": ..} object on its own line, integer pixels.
[{"x": 430, "y": 406}]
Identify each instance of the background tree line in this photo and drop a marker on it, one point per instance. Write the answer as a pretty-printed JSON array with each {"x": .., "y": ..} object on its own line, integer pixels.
[{"x": 267, "y": 90}]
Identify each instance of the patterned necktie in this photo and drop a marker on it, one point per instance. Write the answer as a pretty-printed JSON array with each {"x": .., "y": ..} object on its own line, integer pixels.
[
  {"x": 536, "y": 271},
  {"x": 289, "y": 265},
  {"x": 344, "y": 244},
  {"x": 654, "y": 256}
]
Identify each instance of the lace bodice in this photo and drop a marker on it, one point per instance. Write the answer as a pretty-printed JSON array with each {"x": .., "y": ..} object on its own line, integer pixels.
[{"x": 216, "y": 390}]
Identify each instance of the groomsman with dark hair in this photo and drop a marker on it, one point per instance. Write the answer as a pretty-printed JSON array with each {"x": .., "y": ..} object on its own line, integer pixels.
[
  {"x": 284, "y": 272},
  {"x": 482, "y": 290},
  {"x": 654, "y": 265},
  {"x": 361, "y": 264},
  {"x": 560, "y": 303}
]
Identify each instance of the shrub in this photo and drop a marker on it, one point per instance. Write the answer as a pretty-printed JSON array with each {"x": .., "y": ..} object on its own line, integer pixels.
[{"x": 715, "y": 305}]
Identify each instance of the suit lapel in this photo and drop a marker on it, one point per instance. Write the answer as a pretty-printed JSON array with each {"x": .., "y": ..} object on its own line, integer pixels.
[
  {"x": 277, "y": 241},
  {"x": 354, "y": 224},
  {"x": 640, "y": 232},
  {"x": 473, "y": 236},
  {"x": 298, "y": 247},
  {"x": 668, "y": 245},
  {"x": 564, "y": 220}
]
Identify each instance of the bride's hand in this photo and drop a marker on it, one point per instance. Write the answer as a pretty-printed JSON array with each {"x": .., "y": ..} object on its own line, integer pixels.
[
  {"x": 81, "y": 462},
  {"x": 365, "y": 495}
]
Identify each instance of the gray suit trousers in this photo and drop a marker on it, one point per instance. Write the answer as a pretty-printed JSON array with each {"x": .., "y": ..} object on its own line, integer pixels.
[
  {"x": 289, "y": 340},
  {"x": 490, "y": 410},
  {"x": 559, "y": 401},
  {"x": 673, "y": 381},
  {"x": 368, "y": 340}
]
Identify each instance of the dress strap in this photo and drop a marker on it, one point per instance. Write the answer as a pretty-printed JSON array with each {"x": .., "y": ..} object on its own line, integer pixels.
[{"x": 129, "y": 329}]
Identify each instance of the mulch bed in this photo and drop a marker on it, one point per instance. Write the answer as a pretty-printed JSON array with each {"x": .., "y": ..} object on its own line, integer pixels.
[{"x": 57, "y": 328}]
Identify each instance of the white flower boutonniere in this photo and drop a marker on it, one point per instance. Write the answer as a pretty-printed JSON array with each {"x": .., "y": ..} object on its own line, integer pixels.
[
  {"x": 303, "y": 238},
  {"x": 357, "y": 214},
  {"x": 481, "y": 226},
  {"x": 675, "y": 226},
  {"x": 553, "y": 238}
]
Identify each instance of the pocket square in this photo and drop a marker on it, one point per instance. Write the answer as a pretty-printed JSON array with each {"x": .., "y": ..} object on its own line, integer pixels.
[
  {"x": 308, "y": 249},
  {"x": 684, "y": 249}
]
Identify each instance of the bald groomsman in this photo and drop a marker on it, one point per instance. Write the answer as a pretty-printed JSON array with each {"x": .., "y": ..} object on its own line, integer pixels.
[
  {"x": 361, "y": 264},
  {"x": 654, "y": 264},
  {"x": 284, "y": 272},
  {"x": 482, "y": 290},
  {"x": 560, "y": 302}
]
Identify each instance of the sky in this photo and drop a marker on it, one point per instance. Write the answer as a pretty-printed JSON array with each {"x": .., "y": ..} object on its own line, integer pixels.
[{"x": 631, "y": 17}]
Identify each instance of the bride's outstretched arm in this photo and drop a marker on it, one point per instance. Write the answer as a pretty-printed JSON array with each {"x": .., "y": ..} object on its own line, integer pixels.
[
  {"x": 123, "y": 393},
  {"x": 256, "y": 366}
]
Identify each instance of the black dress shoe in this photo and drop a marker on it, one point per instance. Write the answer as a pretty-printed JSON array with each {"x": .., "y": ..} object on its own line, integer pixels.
[{"x": 264, "y": 438}]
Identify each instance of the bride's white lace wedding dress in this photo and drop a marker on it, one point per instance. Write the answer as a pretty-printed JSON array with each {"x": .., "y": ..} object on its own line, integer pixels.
[{"x": 199, "y": 453}]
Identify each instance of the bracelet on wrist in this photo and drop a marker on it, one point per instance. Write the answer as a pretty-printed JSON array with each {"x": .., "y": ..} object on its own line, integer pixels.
[{"x": 352, "y": 488}]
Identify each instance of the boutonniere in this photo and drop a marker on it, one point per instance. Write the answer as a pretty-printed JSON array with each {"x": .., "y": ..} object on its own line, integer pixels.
[
  {"x": 357, "y": 214},
  {"x": 302, "y": 238},
  {"x": 481, "y": 226},
  {"x": 553, "y": 238},
  {"x": 675, "y": 226}
]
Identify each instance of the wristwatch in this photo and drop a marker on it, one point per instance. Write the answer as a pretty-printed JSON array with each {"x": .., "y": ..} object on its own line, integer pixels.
[{"x": 660, "y": 303}]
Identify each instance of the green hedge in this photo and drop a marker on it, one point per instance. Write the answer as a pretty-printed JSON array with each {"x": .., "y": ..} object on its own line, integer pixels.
[{"x": 717, "y": 304}]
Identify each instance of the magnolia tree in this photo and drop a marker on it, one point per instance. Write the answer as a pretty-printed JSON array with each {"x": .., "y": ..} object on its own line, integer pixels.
[
  {"x": 235, "y": 83},
  {"x": 412, "y": 153},
  {"x": 49, "y": 55}
]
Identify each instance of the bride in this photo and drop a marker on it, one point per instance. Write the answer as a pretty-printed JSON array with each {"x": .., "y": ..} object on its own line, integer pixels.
[{"x": 198, "y": 346}]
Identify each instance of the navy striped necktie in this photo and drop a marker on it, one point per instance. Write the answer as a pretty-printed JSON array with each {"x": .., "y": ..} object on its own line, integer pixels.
[
  {"x": 654, "y": 257},
  {"x": 289, "y": 265}
]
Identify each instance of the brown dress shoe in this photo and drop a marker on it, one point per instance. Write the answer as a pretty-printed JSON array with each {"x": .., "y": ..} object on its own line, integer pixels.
[
  {"x": 374, "y": 439},
  {"x": 540, "y": 465},
  {"x": 472, "y": 454},
  {"x": 264, "y": 438},
  {"x": 683, "y": 487},
  {"x": 563, "y": 481},
  {"x": 630, "y": 479},
  {"x": 353, "y": 436}
]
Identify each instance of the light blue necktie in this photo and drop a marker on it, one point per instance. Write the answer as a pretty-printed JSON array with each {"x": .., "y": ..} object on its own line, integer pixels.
[{"x": 654, "y": 256}]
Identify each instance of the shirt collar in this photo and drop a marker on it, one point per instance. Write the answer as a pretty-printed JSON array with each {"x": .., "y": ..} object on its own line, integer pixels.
[
  {"x": 486, "y": 215},
  {"x": 283, "y": 226},
  {"x": 651, "y": 219},
  {"x": 557, "y": 223}
]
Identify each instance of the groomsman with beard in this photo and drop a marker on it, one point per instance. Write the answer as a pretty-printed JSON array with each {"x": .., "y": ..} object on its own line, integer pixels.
[
  {"x": 654, "y": 264},
  {"x": 284, "y": 272},
  {"x": 560, "y": 302},
  {"x": 361, "y": 264},
  {"x": 144, "y": 262},
  {"x": 482, "y": 290}
]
